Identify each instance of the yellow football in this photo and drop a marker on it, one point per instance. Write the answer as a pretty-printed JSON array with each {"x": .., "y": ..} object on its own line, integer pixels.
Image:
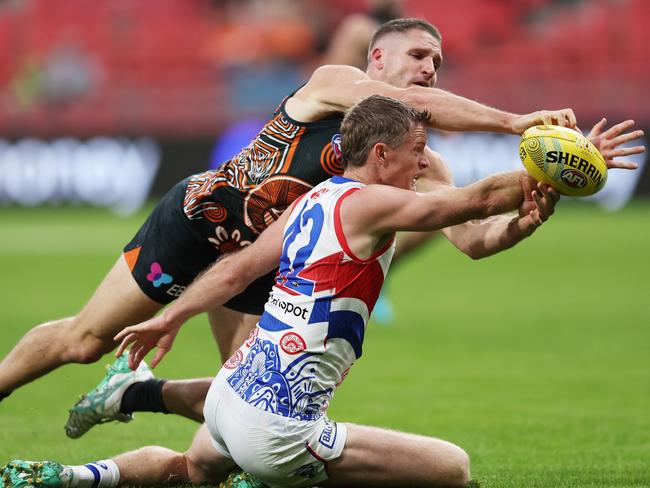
[{"x": 563, "y": 158}]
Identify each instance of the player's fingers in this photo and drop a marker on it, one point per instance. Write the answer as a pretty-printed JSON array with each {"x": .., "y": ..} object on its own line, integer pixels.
[
  {"x": 598, "y": 128},
  {"x": 619, "y": 128},
  {"x": 542, "y": 207},
  {"x": 534, "y": 217},
  {"x": 160, "y": 353},
  {"x": 622, "y": 151},
  {"x": 614, "y": 164},
  {"x": 132, "y": 352},
  {"x": 124, "y": 333},
  {"x": 136, "y": 355},
  {"x": 557, "y": 119},
  {"x": 623, "y": 138},
  {"x": 554, "y": 195},
  {"x": 546, "y": 205},
  {"x": 125, "y": 342},
  {"x": 550, "y": 193},
  {"x": 570, "y": 118},
  {"x": 619, "y": 153},
  {"x": 545, "y": 118}
]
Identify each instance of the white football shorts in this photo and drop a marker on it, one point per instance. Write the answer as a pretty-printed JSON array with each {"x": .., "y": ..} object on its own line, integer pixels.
[{"x": 280, "y": 451}]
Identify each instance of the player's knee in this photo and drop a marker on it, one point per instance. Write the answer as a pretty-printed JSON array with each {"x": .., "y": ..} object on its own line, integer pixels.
[
  {"x": 457, "y": 473},
  {"x": 84, "y": 346},
  {"x": 197, "y": 473}
]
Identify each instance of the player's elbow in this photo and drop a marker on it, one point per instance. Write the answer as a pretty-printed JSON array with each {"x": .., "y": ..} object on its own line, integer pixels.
[
  {"x": 233, "y": 276},
  {"x": 473, "y": 251},
  {"x": 235, "y": 282},
  {"x": 474, "y": 254}
]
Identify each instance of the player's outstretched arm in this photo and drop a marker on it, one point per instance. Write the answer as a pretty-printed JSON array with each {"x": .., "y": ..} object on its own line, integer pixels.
[
  {"x": 380, "y": 210},
  {"x": 608, "y": 142},
  {"x": 481, "y": 238},
  {"x": 218, "y": 284},
  {"x": 335, "y": 88}
]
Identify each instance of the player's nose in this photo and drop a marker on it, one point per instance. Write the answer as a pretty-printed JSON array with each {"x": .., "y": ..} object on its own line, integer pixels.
[{"x": 428, "y": 67}]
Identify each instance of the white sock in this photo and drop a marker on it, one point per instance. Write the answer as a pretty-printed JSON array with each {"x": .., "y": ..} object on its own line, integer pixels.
[{"x": 99, "y": 474}]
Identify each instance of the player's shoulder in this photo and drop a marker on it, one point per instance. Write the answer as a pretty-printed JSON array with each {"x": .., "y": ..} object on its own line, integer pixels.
[
  {"x": 328, "y": 75},
  {"x": 377, "y": 195}
]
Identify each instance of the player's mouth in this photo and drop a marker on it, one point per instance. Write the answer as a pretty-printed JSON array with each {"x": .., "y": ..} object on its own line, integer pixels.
[{"x": 425, "y": 84}]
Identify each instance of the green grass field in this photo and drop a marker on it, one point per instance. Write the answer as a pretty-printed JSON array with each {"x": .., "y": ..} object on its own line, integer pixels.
[{"x": 536, "y": 361}]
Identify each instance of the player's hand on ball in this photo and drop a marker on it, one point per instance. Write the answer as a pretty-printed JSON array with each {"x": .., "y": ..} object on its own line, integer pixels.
[
  {"x": 608, "y": 142},
  {"x": 538, "y": 203},
  {"x": 545, "y": 198},
  {"x": 158, "y": 332},
  {"x": 564, "y": 118}
]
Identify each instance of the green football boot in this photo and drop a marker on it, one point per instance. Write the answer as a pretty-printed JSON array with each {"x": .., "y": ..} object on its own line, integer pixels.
[
  {"x": 102, "y": 403},
  {"x": 34, "y": 474},
  {"x": 242, "y": 479}
]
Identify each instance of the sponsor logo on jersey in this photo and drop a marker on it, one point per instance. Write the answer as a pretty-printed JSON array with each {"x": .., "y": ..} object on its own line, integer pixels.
[
  {"x": 234, "y": 360},
  {"x": 157, "y": 276},
  {"x": 288, "y": 307},
  {"x": 175, "y": 290},
  {"x": 328, "y": 435},
  {"x": 292, "y": 343}
]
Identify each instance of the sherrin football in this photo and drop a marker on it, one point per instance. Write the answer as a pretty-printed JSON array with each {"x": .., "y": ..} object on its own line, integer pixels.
[{"x": 563, "y": 158}]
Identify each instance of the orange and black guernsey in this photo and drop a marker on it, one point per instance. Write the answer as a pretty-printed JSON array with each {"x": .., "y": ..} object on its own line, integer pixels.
[
  {"x": 246, "y": 194},
  {"x": 218, "y": 212}
]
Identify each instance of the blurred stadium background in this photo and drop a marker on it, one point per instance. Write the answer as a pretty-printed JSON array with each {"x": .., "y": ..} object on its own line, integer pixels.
[
  {"x": 536, "y": 360},
  {"x": 105, "y": 101}
]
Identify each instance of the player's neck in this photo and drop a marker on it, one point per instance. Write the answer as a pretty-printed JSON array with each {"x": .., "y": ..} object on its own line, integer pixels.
[{"x": 363, "y": 174}]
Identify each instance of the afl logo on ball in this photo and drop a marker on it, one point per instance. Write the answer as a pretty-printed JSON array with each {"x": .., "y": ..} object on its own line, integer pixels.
[
  {"x": 573, "y": 178},
  {"x": 234, "y": 360},
  {"x": 292, "y": 343}
]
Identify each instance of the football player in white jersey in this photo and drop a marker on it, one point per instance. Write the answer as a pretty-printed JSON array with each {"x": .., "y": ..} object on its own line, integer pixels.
[{"x": 267, "y": 408}]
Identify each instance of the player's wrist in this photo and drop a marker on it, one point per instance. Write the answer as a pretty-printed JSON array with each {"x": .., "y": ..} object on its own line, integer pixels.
[{"x": 514, "y": 123}]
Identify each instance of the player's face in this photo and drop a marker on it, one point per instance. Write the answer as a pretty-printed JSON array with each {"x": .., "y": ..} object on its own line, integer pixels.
[
  {"x": 406, "y": 162},
  {"x": 409, "y": 58}
]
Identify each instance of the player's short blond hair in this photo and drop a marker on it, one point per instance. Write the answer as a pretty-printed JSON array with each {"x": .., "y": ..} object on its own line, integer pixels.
[{"x": 377, "y": 119}]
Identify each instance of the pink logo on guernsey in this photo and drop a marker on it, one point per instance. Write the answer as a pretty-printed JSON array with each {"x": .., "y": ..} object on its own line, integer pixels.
[
  {"x": 292, "y": 343},
  {"x": 157, "y": 277}
]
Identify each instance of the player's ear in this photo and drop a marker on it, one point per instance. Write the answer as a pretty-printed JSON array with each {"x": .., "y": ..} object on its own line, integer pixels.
[
  {"x": 379, "y": 150},
  {"x": 377, "y": 57}
]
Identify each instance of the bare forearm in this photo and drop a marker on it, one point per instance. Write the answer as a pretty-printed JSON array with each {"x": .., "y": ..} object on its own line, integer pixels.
[
  {"x": 496, "y": 194},
  {"x": 218, "y": 284},
  {"x": 452, "y": 112},
  {"x": 484, "y": 238}
]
